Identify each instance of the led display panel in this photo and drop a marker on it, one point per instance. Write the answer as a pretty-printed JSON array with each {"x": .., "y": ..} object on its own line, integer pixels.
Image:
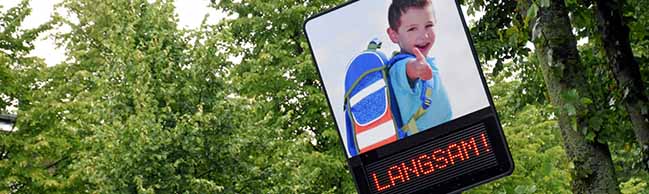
[{"x": 408, "y": 96}]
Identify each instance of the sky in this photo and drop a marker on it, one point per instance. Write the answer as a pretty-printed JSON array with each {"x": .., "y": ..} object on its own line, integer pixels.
[
  {"x": 190, "y": 14},
  {"x": 342, "y": 34}
]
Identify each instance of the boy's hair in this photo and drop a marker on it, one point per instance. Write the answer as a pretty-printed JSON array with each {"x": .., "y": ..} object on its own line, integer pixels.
[{"x": 398, "y": 7}]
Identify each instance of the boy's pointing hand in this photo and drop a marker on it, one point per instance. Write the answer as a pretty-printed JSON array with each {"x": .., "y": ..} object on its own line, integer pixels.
[{"x": 419, "y": 68}]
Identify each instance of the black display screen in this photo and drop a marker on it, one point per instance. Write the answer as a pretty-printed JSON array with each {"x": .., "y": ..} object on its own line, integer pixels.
[
  {"x": 433, "y": 162},
  {"x": 451, "y": 158}
]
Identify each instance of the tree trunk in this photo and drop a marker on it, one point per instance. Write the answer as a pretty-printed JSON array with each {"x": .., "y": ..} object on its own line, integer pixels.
[
  {"x": 615, "y": 36},
  {"x": 556, "y": 48}
]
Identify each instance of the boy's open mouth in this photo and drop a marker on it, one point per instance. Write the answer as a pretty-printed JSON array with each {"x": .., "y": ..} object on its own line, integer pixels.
[{"x": 422, "y": 47}]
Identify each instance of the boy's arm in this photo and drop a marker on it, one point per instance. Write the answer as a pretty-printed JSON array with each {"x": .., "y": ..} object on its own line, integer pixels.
[{"x": 418, "y": 68}]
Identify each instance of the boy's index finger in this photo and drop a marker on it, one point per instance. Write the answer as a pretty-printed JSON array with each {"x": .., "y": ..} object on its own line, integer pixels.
[{"x": 419, "y": 55}]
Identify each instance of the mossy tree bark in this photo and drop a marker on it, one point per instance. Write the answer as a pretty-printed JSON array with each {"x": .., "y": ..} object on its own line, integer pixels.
[
  {"x": 615, "y": 38},
  {"x": 556, "y": 48}
]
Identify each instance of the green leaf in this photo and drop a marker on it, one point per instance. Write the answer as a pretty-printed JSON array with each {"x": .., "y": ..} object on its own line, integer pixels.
[
  {"x": 595, "y": 123},
  {"x": 570, "y": 109},
  {"x": 590, "y": 136},
  {"x": 571, "y": 96},
  {"x": 544, "y": 3},
  {"x": 520, "y": 189},
  {"x": 532, "y": 12}
]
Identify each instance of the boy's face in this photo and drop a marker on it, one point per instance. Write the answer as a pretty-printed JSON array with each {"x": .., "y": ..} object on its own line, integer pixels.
[{"x": 416, "y": 29}]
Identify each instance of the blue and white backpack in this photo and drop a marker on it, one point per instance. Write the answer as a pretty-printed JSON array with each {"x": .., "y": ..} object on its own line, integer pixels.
[{"x": 371, "y": 113}]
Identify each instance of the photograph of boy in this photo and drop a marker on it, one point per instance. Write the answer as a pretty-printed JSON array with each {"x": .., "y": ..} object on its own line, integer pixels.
[
  {"x": 405, "y": 67},
  {"x": 414, "y": 77}
]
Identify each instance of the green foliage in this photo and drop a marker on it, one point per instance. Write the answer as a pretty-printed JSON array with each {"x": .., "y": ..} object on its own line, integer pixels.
[
  {"x": 637, "y": 19},
  {"x": 600, "y": 99},
  {"x": 534, "y": 140},
  {"x": 500, "y": 35},
  {"x": 17, "y": 70},
  {"x": 634, "y": 185},
  {"x": 292, "y": 149},
  {"x": 138, "y": 109},
  {"x": 145, "y": 107},
  {"x": 20, "y": 77}
]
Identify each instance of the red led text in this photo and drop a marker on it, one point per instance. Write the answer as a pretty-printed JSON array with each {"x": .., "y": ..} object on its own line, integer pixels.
[{"x": 437, "y": 159}]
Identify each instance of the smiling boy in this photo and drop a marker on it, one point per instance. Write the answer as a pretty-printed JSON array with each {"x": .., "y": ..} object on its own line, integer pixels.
[{"x": 412, "y": 73}]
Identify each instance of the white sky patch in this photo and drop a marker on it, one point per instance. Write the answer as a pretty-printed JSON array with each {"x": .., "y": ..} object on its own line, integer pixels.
[
  {"x": 530, "y": 45},
  {"x": 470, "y": 19},
  {"x": 582, "y": 41},
  {"x": 190, "y": 15},
  {"x": 6, "y": 127},
  {"x": 44, "y": 45}
]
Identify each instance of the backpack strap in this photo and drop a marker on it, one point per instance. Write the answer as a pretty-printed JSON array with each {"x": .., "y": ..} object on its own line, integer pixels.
[
  {"x": 427, "y": 91},
  {"x": 411, "y": 126},
  {"x": 398, "y": 57},
  {"x": 394, "y": 106}
]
